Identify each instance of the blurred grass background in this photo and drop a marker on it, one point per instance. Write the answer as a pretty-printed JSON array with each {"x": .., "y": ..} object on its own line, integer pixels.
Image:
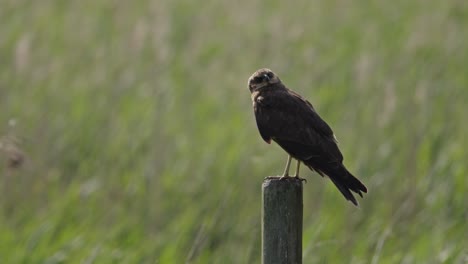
[{"x": 127, "y": 134}]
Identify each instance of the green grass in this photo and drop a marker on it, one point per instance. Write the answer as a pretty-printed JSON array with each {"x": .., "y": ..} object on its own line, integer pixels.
[{"x": 140, "y": 146}]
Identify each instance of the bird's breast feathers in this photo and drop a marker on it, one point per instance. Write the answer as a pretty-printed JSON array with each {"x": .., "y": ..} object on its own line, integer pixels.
[{"x": 254, "y": 95}]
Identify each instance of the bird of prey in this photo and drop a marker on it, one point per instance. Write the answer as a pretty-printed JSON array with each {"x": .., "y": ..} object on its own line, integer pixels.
[{"x": 291, "y": 121}]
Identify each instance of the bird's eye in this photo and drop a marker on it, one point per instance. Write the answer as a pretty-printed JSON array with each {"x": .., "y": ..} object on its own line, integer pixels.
[
  {"x": 266, "y": 77},
  {"x": 258, "y": 79},
  {"x": 270, "y": 74}
]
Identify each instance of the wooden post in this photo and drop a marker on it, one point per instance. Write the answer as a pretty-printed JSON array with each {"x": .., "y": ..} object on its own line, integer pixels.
[{"x": 282, "y": 221}]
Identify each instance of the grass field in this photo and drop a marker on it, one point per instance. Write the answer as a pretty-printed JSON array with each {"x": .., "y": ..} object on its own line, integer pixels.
[{"x": 127, "y": 134}]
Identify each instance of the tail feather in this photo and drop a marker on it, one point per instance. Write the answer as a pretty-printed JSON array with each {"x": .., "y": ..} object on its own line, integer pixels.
[{"x": 343, "y": 180}]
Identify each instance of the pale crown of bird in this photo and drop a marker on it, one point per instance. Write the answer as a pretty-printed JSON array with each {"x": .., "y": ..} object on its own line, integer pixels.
[{"x": 262, "y": 78}]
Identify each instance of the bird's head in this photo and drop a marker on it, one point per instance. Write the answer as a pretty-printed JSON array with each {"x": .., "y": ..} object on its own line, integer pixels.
[{"x": 262, "y": 78}]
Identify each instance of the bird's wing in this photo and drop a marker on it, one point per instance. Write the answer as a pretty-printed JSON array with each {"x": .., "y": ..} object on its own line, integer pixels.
[
  {"x": 292, "y": 122},
  {"x": 262, "y": 124},
  {"x": 306, "y": 107}
]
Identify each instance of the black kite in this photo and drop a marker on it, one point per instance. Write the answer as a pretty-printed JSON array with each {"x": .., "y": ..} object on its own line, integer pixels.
[{"x": 292, "y": 122}]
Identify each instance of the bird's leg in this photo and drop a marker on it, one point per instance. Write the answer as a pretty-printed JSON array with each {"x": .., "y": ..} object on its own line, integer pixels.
[
  {"x": 297, "y": 169},
  {"x": 297, "y": 172},
  {"x": 286, "y": 170}
]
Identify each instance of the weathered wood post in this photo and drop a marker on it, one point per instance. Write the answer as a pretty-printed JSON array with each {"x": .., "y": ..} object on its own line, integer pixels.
[{"x": 282, "y": 221}]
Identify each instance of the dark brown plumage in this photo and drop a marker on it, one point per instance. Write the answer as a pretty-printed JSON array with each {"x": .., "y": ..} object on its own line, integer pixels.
[{"x": 292, "y": 122}]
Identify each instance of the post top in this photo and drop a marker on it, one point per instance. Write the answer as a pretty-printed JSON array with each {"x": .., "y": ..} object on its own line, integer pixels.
[{"x": 282, "y": 180}]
